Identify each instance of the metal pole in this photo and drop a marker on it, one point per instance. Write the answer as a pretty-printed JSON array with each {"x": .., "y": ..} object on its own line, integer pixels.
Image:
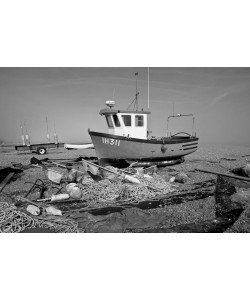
[
  {"x": 222, "y": 174},
  {"x": 193, "y": 127},
  {"x": 23, "y": 139},
  {"x": 27, "y": 135},
  {"x": 48, "y": 138},
  {"x": 55, "y": 134},
  {"x": 148, "y": 87}
]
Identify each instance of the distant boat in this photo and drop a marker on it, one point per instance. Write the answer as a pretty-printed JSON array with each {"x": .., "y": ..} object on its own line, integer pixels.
[
  {"x": 81, "y": 146},
  {"x": 128, "y": 138}
]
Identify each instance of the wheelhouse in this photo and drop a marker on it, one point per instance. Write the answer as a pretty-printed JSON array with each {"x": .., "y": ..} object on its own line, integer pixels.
[{"x": 127, "y": 123}]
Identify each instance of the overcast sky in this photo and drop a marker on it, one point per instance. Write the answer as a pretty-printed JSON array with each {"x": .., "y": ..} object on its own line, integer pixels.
[{"x": 72, "y": 98}]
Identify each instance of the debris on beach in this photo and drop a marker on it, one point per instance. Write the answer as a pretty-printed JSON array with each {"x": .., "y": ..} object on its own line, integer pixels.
[
  {"x": 6, "y": 175},
  {"x": 33, "y": 209},
  {"x": 243, "y": 171},
  {"x": 14, "y": 220},
  {"x": 181, "y": 177},
  {"x": 100, "y": 198},
  {"x": 74, "y": 191}
]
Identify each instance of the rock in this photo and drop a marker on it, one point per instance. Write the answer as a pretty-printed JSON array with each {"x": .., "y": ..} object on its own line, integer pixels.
[
  {"x": 242, "y": 171},
  {"x": 242, "y": 196},
  {"x": 181, "y": 177},
  {"x": 34, "y": 210},
  {"x": 247, "y": 170},
  {"x": 54, "y": 176},
  {"x": 224, "y": 189},
  {"x": 150, "y": 170},
  {"x": 172, "y": 179},
  {"x": 72, "y": 175}
]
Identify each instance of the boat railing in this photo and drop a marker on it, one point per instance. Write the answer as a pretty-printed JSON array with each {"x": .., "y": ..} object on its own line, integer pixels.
[{"x": 179, "y": 116}]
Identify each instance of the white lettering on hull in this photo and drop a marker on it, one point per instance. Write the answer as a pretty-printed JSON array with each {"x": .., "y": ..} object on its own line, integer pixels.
[{"x": 112, "y": 142}]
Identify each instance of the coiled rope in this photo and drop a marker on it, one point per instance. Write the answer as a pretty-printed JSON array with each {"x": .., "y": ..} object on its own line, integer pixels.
[{"x": 13, "y": 220}]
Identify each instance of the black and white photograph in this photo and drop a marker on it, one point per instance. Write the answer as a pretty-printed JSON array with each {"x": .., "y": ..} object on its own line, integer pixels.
[
  {"x": 98, "y": 150},
  {"x": 124, "y": 149}
]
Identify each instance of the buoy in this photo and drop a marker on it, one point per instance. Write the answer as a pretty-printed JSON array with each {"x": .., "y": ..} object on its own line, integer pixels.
[
  {"x": 132, "y": 179},
  {"x": 34, "y": 210},
  {"x": 51, "y": 210},
  {"x": 59, "y": 197}
]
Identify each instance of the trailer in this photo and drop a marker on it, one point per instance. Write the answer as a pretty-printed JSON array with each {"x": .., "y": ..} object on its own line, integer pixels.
[{"x": 40, "y": 149}]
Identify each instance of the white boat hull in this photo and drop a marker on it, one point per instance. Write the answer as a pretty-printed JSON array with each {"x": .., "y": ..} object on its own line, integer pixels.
[{"x": 77, "y": 147}]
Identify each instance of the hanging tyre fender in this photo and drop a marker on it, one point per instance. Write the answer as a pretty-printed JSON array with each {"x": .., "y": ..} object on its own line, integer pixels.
[
  {"x": 41, "y": 150},
  {"x": 164, "y": 148}
]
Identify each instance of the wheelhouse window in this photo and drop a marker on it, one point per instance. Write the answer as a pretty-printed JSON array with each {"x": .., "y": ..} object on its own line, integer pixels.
[
  {"x": 126, "y": 120},
  {"x": 139, "y": 121},
  {"x": 109, "y": 121},
  {"x": 116, "y": 121}
]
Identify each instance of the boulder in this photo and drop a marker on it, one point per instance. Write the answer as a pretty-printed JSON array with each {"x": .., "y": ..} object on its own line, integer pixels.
[
  {"x": 181, "y": 177},
  {"x": 247, "y": 170}
]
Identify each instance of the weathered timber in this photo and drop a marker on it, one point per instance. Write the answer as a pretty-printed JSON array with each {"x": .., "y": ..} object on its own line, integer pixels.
[
  {"x": 216, "y": 225},
  {"x": 206, "y": 190},
  {"x": 6, "y": 180},
  {"x": 227, "y": 213},
  {"x": 223, "y": 190},
  {"x": 223, "y": 174}
]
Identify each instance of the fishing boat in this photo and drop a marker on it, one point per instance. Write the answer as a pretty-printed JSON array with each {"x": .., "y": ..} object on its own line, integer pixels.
[{"x": 128, "y": 138}]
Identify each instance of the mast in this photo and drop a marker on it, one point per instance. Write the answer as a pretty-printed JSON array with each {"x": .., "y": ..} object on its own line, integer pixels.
[
  {"x": 135, "y": 100},
  {"x": 148, "y": 88},
  {"x": 23, "y": 139},
  {"x": 55, "y": 134},
  {"x": 48, "y": 138},
  {"x": 26, "y": 135},
  {"x": 137, "y": 93}
]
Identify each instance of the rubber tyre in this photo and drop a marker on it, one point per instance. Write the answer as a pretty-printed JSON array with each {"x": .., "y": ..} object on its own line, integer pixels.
[{"x": 41, "y": 150}]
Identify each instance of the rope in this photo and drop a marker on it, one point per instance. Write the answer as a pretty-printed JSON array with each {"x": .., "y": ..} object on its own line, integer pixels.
[
  {"x": 110, "y": 191},
  {"x": 13, "y": 220}
]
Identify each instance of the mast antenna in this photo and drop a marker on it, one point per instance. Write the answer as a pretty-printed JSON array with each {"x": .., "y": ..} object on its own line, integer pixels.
[
  {"x": 137, "y": 93},
  {"x": 135, "y": 101}
]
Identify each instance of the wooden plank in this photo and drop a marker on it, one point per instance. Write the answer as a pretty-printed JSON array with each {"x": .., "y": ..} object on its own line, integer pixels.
[
  {"x": 6, "y": 180},
  {"x": 223, "y": 174}
]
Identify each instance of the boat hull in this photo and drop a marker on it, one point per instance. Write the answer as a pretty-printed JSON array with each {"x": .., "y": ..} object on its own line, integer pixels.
[
  {"x": 114, "y": 147},
  {"x": 76, "y": 147}
]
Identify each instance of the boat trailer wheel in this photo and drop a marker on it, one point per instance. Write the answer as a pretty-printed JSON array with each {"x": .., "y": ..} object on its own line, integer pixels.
[{"x": 41, "y": 150}]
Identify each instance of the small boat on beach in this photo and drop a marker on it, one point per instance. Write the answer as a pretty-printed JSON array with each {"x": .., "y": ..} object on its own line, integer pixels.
[
  {"x": 79, "y": 146},
  {"x": 128, "y": 138}
]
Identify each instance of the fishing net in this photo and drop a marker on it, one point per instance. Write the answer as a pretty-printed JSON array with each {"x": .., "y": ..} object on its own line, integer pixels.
[
  {"x": 107, "y": 191},
  {"x": 14, "y": 220}
]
